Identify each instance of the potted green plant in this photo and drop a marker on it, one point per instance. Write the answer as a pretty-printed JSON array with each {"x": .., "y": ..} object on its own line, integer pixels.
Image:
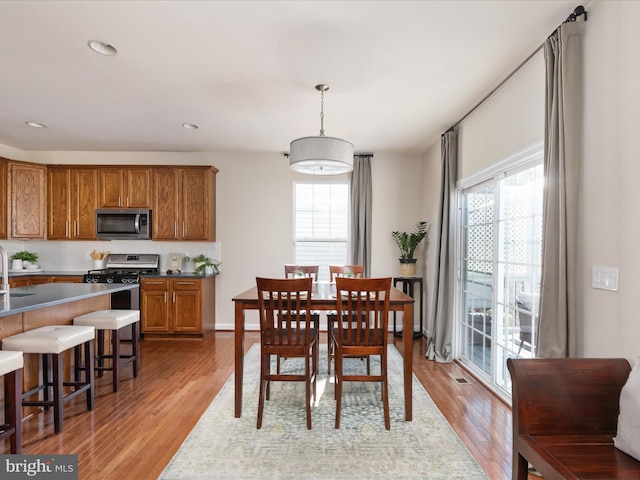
[
  {"x": 22, "y": 259},
  {"x": 408, "y": 242},
  {"x": 205, "y": 265}
]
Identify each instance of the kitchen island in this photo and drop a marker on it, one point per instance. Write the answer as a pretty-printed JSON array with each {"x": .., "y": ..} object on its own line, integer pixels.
[
  {"x": 27, "y": 308},
  {"x": 49, "y": 295}
]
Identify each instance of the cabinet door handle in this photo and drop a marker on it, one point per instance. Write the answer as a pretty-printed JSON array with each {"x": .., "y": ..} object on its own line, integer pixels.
[
  {"x": 151, "y": 282},
  {"x": 66, "y": 228},
  {"x": 165, "y": 297},
  {"x": 186, "y": 283},
  {"x": 173, "y": 297},
  {"x": 182, "y": 229},
  {"x": 175, "y": 229},
  {"x": 75, "y": 228}
]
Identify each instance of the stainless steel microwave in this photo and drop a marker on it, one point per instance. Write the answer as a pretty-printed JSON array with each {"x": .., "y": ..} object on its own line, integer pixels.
[{"x": 123, "y": 224}]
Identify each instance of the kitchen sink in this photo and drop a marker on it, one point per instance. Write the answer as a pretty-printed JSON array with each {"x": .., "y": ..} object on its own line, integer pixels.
[{"x": 18, "y": 295}]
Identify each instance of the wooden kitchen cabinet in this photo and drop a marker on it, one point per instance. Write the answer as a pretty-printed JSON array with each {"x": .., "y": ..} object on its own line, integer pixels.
[
  {"x": 154, "y": 307},
  {"x": 28, "y": 280},
  {"x": 175, "y": 306},
  {"x": 4, "y": 184},
  {"x": 124, "y": 187},
  {"x": 27, "y": 200},
  {"x": 66, "y": 279},
  {"x": 184, "y": 203},
  {"x": 71, "y": 203},
  {"x": 186, "y": 311}
]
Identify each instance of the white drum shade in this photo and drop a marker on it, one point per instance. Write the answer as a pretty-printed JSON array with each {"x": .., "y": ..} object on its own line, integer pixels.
[{"x": 321, "y": 155}]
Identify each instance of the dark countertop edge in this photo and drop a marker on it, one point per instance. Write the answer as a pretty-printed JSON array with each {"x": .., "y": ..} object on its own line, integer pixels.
[
  {"x": 181, "y": 275},
  {"x": 67, "y": 273},
  {"x": 68, "y": 298}
]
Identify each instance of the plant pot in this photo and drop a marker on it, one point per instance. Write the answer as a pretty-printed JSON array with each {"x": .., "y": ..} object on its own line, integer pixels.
[{"x": 408, "y": 267}]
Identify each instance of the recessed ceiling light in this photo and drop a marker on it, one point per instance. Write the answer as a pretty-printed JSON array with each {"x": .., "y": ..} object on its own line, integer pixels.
[
  {"x": 36, "y": 124},
  {"x": 102, "y": 48},
  {"x": 190, "y": 126}
]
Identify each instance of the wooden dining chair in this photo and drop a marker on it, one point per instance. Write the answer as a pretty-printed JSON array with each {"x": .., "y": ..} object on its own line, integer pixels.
[
  {"x": 358, "y": 298},
  {"x": 349, "y": 271},
  {"x": 286, "y": 330},
  {"x": 296, "y": 271},
  {"x": 300, "y": 271}
]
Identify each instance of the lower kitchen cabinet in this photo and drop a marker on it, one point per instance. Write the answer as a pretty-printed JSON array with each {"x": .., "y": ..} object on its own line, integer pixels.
[
  {"x": 29, "y": 280},
  {"x": 175, "y": 306}
]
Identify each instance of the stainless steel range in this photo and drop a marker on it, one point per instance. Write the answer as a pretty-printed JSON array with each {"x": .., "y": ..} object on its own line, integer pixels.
[{"x": 124, "y": 268}]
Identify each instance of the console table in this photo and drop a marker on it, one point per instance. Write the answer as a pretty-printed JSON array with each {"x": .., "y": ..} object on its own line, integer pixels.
[{"x": 408, "y": 287}]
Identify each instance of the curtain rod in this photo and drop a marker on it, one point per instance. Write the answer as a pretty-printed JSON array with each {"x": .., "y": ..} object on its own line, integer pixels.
[
  {"x": 356, "y": 154},
  {"x": 577, "y": 12}
]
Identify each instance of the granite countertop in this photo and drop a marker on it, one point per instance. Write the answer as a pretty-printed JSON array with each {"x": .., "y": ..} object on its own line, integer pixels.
[
  {"x": 67, "y": 273},
  {"x": 24, "y": 299}
]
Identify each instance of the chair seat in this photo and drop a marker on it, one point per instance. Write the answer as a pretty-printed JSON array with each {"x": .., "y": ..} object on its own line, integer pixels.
[
  {"x": 108, "y": 319},
  {"x": 10, "y": 361},
  {"x": 52, "y": 339}
]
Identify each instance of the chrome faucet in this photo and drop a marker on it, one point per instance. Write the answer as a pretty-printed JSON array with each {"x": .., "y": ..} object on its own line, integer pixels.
[{"x": 4, "y": 288}]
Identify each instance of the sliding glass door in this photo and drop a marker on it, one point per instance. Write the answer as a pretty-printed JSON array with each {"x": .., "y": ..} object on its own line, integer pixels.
[{"x": 501, "y": 233}]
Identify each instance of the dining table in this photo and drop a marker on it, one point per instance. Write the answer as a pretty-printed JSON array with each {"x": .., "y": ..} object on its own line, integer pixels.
[{"x": 323, "y": 298}]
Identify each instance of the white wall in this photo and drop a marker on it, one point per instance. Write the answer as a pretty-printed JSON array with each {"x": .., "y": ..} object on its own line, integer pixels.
[
  {"x": 255, "y": 204},
  {"x": 510, "y": 121},
  {"x": 254, "y": 216},
  {"x": 609, "y": 231},
  {"x": 513, "y": 119}
]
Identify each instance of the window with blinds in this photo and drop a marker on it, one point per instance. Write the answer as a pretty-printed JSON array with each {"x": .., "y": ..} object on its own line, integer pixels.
[{"x": 321, "y": 225}]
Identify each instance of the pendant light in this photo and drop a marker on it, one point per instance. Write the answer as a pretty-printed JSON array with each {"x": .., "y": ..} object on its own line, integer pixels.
[{"x": 321, "y": 155}]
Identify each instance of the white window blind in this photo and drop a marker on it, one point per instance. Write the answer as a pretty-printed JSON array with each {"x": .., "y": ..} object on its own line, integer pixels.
[{"x": 321, "y": 225}]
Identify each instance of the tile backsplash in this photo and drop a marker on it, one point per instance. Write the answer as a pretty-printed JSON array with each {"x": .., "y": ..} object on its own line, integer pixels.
[{"x": 75, "y": 255}]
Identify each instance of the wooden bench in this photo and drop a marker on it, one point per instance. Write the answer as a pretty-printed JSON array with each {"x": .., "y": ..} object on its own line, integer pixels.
[{"x": 565, "y": 415}]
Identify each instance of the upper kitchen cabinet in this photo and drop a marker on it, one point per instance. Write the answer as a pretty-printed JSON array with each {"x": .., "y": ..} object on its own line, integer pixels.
[
  {"x": 26, "y": 197},
  {"x": 72, "y": 203},
  {"x": 125, "y": 187},
  {"x": 3, "y": 198},
  {"x": 184, "y": 203}
]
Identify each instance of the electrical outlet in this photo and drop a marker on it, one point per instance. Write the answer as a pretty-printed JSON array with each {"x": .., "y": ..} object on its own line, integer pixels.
[{"x": 605, "y": 278}]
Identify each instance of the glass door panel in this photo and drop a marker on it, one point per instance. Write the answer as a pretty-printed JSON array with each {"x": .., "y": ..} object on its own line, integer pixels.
[{"x": 501, "y": 227}]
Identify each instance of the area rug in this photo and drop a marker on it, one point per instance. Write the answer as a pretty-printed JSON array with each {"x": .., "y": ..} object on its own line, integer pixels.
[{"x": 224, "y": 447}]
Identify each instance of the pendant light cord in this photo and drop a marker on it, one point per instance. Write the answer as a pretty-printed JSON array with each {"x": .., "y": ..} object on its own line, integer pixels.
[{"x": 322, "y": 112}]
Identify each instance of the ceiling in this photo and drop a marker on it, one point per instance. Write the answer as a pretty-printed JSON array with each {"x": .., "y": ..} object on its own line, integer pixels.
[{"x": 400, "y": 72}]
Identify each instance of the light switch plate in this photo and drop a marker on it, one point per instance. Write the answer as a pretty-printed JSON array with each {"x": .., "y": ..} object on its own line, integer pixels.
[{"x": 605, "y": 278}]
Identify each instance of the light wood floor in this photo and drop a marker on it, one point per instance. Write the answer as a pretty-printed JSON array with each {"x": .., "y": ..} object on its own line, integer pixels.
[{"x": 134, "y": 433}]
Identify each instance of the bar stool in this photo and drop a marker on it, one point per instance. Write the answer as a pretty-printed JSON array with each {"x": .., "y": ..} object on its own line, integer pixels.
[
  {"x": 11, "y": 369},
  {"x": 114, "y": 320},
  {"x": 51, "y": 342}
]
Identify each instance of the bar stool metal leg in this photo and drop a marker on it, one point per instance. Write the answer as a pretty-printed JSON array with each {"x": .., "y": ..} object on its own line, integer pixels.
[{"x": 56, "y": 366}]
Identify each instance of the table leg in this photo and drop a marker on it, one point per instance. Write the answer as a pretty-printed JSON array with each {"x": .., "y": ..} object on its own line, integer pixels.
[
  {"x": 407, "y": 340},
  {"x": 239, "y": 354}
]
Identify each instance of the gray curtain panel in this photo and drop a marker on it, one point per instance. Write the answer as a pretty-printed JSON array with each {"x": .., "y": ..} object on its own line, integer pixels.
[
  {"x": 440, "y": 342},
  {"x": 361, "y": 201},
  {"x": 557, "y": 324}
]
